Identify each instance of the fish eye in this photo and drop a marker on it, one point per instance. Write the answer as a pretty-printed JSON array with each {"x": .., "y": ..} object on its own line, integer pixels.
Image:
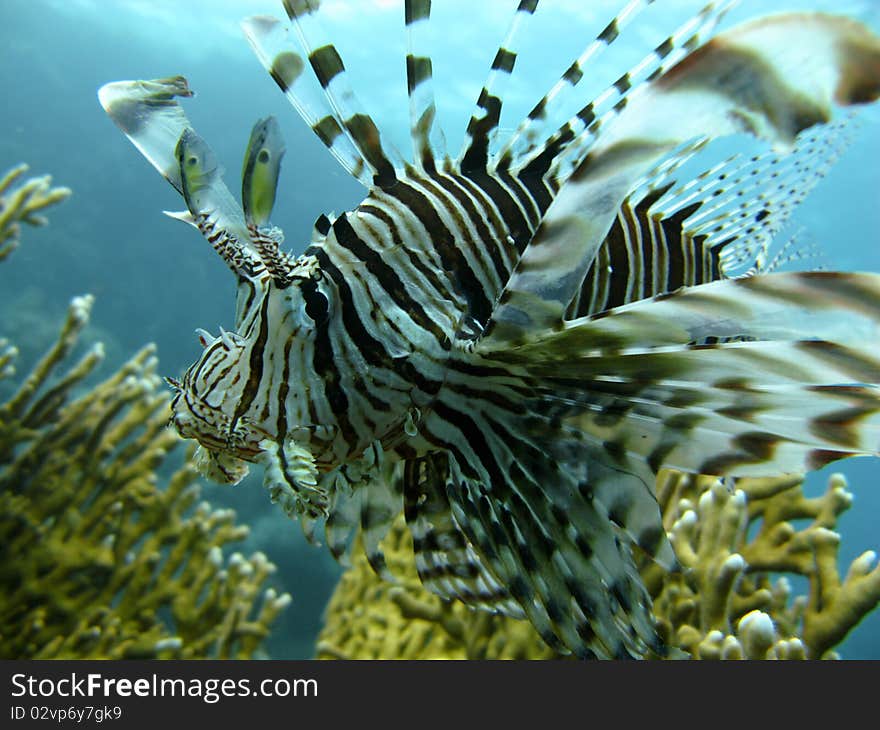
[
  {"x": 263, "y": 156},
  {"x": 192, "y": 160}
]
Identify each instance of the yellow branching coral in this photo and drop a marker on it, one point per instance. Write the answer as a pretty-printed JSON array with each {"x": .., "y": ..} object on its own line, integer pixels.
[
  {"x": 731, "y": 542},
  {"x": 99, "y": 561},
  {"x": 368, "y": 618},
  {"x": 722, "y": 605},
  {"x": 21, "y": 203},
  {"x": 95, "y": 552}
]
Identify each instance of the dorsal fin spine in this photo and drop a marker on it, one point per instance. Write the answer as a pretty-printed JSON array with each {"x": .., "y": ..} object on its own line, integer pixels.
[
  {"x": 582, "y": 129},
  {"x": 482, "y": 129},
  {"x": 426, "y": 134},
  {"x": 519, "y": 143},
  {"x": 326, "y": 62},
  {"x": 272, "y": 44}
]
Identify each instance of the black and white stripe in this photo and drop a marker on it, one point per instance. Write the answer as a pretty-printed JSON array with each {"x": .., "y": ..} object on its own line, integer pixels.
[
  {"x": 482, "y": 129},
  {"x": 509, "y": 346},
  {"x": 429, "y": 144}
]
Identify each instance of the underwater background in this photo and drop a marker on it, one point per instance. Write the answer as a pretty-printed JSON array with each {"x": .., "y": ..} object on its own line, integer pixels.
[{"x": 156, "y": 280}]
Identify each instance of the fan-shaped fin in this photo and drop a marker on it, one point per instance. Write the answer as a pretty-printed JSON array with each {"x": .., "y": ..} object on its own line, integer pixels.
[
  {"x": 834, "y": 306},
  {"x": 711, "y": 421},
  {"x": 651, "y": 379},
  {"x": 772, "y": 77},
  {"x": 447, "y": 563},
  {"x": 666, "y": 236},
  {"x": 744, "y": 202},
  {"x": 550, "y": 542},
  {"x": 533, "y": 129}
]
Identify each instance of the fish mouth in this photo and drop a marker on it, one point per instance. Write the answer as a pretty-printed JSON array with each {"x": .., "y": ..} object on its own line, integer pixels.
[{"x": 215, "y": 431}]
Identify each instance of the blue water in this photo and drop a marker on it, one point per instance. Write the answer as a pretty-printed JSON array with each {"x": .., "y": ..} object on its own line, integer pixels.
[{"x": 156, "y": 280}]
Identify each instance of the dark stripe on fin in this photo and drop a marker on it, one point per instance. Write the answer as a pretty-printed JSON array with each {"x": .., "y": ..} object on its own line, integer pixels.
[
  {"x": 418, "y": 68},
  {"x": 504, "y": 60},
  {"x": 286, "y": 69},
  {"x": 610, "y": 33},
  {"x": 365, "y": 134},
  {"x": 417, "y": 10},
  {"x": 298, "y": 8},
  {"x": 327, "y": 129},
  {"x": 326, "y": 63}
]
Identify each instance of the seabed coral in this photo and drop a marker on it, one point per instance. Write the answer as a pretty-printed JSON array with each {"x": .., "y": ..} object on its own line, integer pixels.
[
  {"x": 21, "y": 203},
  {"x": 731, "y": 600},
  {"x": 369, "y": 618},
  {"x": 99, "y": 560}
]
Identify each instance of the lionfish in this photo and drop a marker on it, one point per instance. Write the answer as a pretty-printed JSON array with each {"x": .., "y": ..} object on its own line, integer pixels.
[{"x": 508, "y": 345}]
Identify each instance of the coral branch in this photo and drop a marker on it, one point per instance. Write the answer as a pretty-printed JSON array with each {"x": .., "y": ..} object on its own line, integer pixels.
[
  {"x": 21, "y": 203},
  {"x": 101, "y": 561},
  {"x": 729, "y": 539}
]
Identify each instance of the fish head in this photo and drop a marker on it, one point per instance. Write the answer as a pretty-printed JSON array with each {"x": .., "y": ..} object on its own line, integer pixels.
[
  {"x": 210, "y": 406},
  {"x": 223, "y": 400}
]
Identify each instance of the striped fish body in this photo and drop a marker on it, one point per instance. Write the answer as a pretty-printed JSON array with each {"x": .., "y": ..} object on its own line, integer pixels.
[
  {"x": 509, "y": 345},
  {"x": 394, "y": 288}
]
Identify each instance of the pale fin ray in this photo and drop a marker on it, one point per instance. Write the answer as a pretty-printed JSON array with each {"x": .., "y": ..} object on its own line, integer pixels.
[
  {"x": 745, "y": 202},
  {"x": 523, "y": 141},
  {"x": 482, "y": 129},
  {"x": 429, "y": 143},
  {"x": 273, "y": 44},
  {"x": 745, "y": 79},
  {"x": 379, "y": 153}
]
